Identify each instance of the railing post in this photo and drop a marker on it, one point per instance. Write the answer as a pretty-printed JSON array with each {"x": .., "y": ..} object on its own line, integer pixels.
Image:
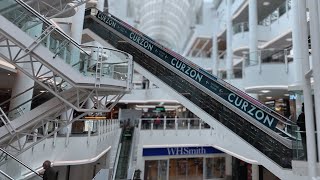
[
  {"x": 188, "y": 126},
  {"x": 35, "y": 135},
  {"x": 151, "y": 129},
  {"x": 46, "y": 127},
  {"x": 286, "y": 60},
  {"x": 176, "y": 124},
  {"x": 139, "y": 124},
  {"x": 259, "y": 61},
  {"x": 89, "y": 135},
  {"x": 67, "y": 137},
  {"x": 164, "y": 124},
  {"x": 55, "y": 136},
  {"x": 200, "y": 124}
]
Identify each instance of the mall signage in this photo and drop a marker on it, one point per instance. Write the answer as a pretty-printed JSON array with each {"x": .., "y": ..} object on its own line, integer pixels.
[
  {"x": 230, "y": 94},
  {"x": 178, "y": 151}
]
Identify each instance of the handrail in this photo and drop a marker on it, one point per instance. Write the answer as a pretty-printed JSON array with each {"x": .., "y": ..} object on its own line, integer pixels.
[
  {"x": 6, "y": 175},
  {"x": 46, "y": 21},
  {"x": 111, "y": 49},
  {"x": 116, "y": 163},
  {"x": 8, "y": 154},
  {"x": 210, "y": 76}
]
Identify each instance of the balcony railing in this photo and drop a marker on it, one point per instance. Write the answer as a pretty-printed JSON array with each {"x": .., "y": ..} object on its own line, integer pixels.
[
  {"x": 240, "y": 27},
  {"x": 268, "y": 56},
  {"x": 275, "y": 15}
]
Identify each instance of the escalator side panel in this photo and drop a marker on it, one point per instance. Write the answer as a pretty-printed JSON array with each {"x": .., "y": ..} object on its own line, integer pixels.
[{"x": 263, "y": 142}]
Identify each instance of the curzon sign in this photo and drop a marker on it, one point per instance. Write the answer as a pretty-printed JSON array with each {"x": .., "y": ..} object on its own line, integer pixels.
[{"x": 219, "y": 88}]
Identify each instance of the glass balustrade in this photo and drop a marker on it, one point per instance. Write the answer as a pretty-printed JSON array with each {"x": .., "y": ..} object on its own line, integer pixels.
[
  {"x": 276, "y": 14},
  {"x": 114, "y": 62},
  {"x": 267, "y": 56},
  {"x": 15, "y": 168},
  {"x": 173, "y": 123},
  {"x": 240, "y": 27}
]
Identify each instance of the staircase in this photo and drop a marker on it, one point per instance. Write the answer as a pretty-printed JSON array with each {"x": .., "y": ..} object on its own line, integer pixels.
[
  {"x": 59, "y": 65},
  {"x": 248, "y": 121}
]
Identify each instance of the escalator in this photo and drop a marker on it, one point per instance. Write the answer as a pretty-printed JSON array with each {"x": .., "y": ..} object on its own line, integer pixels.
[
  {"x": 246, "y": 117},
  {"x": 14, "y": 168},
  {"x": 123, "y": 161}
]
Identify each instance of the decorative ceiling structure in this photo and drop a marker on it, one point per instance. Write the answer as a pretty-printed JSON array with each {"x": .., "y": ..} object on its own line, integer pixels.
[{"x": 167, "y": 21}]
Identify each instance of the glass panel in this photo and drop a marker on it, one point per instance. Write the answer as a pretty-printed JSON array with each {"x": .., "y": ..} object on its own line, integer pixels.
[
  {"x": 195, "y": 168},
  {"x": 16, "y": 169},
  {"x": 162, "y": 171},
  {"x": 215, "y": 167},
  {"x": 151, "y": 170}
]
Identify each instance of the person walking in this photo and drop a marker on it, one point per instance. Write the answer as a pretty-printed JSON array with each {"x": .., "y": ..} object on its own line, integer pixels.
[
  {"x": 49, "y": 172},
  {"x": 302, "y": 124}
]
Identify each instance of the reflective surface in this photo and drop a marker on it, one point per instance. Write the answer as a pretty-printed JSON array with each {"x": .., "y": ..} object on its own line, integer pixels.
[{"x": 15, "y": 168}]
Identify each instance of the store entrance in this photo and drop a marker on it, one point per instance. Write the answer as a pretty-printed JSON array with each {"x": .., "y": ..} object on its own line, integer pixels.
[{"x": 186, "y": 168}]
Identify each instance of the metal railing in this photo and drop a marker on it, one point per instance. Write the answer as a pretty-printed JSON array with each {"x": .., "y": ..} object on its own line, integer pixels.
[
  {"x": 23, "y": 171},
  {"x": 276, "y": 14},
  {"x": 240, "y": 27}
]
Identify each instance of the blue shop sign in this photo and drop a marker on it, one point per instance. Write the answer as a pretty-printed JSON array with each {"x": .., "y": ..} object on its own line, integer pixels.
[{"x": 176, "y": 151}]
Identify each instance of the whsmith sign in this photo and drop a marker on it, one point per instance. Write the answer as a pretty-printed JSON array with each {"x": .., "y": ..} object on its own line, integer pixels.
[
  {"x": 210, "y": 82},
  {"x": 178, "y": 151}
]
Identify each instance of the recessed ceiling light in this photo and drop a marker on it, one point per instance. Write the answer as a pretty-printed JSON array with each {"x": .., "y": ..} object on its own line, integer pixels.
[
  {"x": 264, "y": 91},
  {"x": 269, "y": 97},
  {"x": 9, "y": 74},
  {"x": 289, "y": 39},
  {"x": 286, "y": 94},
  {"x": 266, "y": 3}
]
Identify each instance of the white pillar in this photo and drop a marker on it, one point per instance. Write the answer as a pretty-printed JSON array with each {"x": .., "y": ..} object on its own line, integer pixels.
[
  {"x": 215, "y": 47},
  {"x": 253, "y": 21},
  {"x": 315, "y": 30},
  {"x": 301, "y": 54},
  {"x": 76, "y": 31},
  {"x": 229, "y": 62},
  {"x": 228, "y": 166},
  {"x": 255, "y": 171}
]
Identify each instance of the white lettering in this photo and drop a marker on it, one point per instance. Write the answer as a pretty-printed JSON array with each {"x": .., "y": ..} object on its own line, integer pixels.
[
  {"x": 229, "y": 97},
  {"x": 252, "y": 109},
  {"x": 237, "y": 102},
  {"x": 270, "y": 121},
  {"x": 193, "y": 73},
  {"x": 173, "y": 61},
  {"x": 261, "y": 115},
  {"x": 179, "y": 151},
  {"x": 187, "y": 71},
  {"x": 171, "y": 151},
  {"x": 244, "y": 105}
]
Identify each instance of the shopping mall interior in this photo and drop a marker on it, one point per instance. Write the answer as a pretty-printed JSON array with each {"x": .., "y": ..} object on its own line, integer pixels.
[{"x": 159, "y": 89}]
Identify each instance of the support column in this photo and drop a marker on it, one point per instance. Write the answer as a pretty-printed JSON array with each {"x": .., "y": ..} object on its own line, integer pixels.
[
  {"x": 215, "y": 47},
  {"x": 229, "y": 63},
  {"x": 301, "y": 55},
  {"x": 228, "y": 166},
  {"x": 315, "y": 44},
  {"x": 253, "y": 23},
  {"x": 255, "y": 171},
  {"x": 76, "y": 31}
]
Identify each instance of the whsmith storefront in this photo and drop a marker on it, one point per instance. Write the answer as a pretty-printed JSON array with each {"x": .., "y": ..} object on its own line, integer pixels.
[{"x": 187, "y": 163}]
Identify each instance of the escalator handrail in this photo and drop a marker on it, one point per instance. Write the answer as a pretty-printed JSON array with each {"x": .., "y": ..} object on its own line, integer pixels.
[
  {"x": 17, "y": 160},
  {"x": 221, "y": 82},
  {"x": 47, "y": 22}
]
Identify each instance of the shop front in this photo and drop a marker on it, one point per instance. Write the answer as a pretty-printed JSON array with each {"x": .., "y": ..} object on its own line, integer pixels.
[{"x": 183, "y": 163}]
